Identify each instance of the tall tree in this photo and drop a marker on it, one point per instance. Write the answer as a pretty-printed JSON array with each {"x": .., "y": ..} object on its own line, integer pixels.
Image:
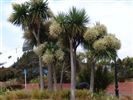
[
  {"x": 100, "y": 45},
  {"x": 51, "y": 55},
  {"x": 30, "y": 15},
  {"x": 73, "y": 25}
]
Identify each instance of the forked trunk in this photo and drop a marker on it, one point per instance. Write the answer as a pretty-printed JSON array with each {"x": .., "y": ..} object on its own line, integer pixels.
[
  {"x": 50, "y": 83},
  {"x": 72, "y": 71}
]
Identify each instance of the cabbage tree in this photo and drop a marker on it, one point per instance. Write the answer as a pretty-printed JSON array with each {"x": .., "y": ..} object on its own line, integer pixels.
[
  {"x": 30, "y": 16},
  {"x": 100, "y": 45},
  {"x": 73, "y": 25}
]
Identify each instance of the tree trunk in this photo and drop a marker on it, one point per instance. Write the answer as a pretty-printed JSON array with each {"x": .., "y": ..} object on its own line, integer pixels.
[
  {"x": 74, "y": 61},
  {"x": 72, "y": 71},
  {"x": 55, "y": 80},
  {"x": 41, "y": 74},
  {"x": 50, "y": 83},
  {"x": 40, "y": 60},
  {"x": 61, "y": 76},
  {"x": 92, "y": 78}
]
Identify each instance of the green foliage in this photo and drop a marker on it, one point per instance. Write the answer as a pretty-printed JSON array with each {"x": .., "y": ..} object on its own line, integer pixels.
[
  {"x": 39, "y": 50},
  {"x": 83, "y": 94},
  {"x": 84, "y": 75},
  {"x": 76, "y": 20},
  {"x": 94, "y": 33},
  {"x": 48, "y": 57},
  {"x": 100, "y": 45},
  {"x": 31, "y": 15},
  {"x": 59, "y": 95},
  {"x": 3, "y": 90},
  {"x": 18, "y": 94},
  {"x": 34, "y": 80},
  {"x": 55, "y": 29},
  {"x": 21, "y": 94},
  {"x": 103, "y": 96},
  {"x": 7, "y": 74},
  {"x": 106, "y": 43},
  {"x": 72, "y": 24},
  {"x": 102, "y": 77},
  {"x": 59, "y": 54},
  {"x": 28, "y": 61},
  {"x": 50, "y": 52},
  {"x": 37, "y": 94},
  {"x": 64, "y": 94},
  {"x": 102, "y": 29},
  {"x": 125, "y": 67},
  {"x": 27, "y": 35},
  {"x": 10, "y": 85},
  {"x": 91, "y": 35},
  {"x": 19, "y": 16}
]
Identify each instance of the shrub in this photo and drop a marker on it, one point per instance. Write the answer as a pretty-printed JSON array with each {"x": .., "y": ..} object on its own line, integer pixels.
[
  {"x": 102, "y": 77},
  {"x": 64, "y": 94},
  {"x": 1, "y": 97},
  {"x": 83, "y": 94},
  {"x": 37, "y": 94},
  {"x": 21, "y": 94},
  {"x": 103, "y": 96},
  {"x": 10, "y": 95},
  {"x": 15, "y": 86},
  {"x": 59, "y": 95},
  {"x": 3, "y": 90}
]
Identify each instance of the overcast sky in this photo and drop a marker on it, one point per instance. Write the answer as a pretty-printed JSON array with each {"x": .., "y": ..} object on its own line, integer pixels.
[{"x": 117, "y": 15}]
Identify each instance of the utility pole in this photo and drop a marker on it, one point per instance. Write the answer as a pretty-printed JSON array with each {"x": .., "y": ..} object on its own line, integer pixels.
[
  {"x": 25, "y": 76},
  {"x": 116, "y": 78}
]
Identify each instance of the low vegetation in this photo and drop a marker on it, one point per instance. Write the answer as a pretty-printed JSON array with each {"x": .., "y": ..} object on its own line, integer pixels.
[{"x": 60, "y": 95}]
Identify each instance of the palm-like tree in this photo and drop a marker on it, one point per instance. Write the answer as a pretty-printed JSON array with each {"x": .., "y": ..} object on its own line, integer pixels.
[
  {"x": 100, "y": 46},
  {"x": 30, "y": 15},
  {"x": 73, "y": 26}
]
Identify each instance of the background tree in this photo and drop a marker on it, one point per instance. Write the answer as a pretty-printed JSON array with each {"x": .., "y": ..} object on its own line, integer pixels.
[{"x": 125, "y": 67}]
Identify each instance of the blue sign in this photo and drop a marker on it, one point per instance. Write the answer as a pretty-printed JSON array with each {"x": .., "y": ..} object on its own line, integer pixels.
[{"x": 25, "y": 71}]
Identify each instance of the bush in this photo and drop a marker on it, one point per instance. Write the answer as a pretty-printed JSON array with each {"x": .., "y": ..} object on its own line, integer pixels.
[
  {"x": 3, "y": 90},
  {"x": 7, "y": 73},
  {"x": 102, "y": 77},
  {"x": 37, "y": 94},
  {"x": 59, "y": 95},
  {"x": 11, "y": 85},
  {"x": 22, "y": 94},
  {"x": 64, "y": 94},
  {"x": 15, "y": 87},
  {"x": 83, "y": 94},
  {"x": 103, "y": 96}
]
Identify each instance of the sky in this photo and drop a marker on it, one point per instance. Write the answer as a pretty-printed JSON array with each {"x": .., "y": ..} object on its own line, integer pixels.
[{"x": 116, "y": 15}]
